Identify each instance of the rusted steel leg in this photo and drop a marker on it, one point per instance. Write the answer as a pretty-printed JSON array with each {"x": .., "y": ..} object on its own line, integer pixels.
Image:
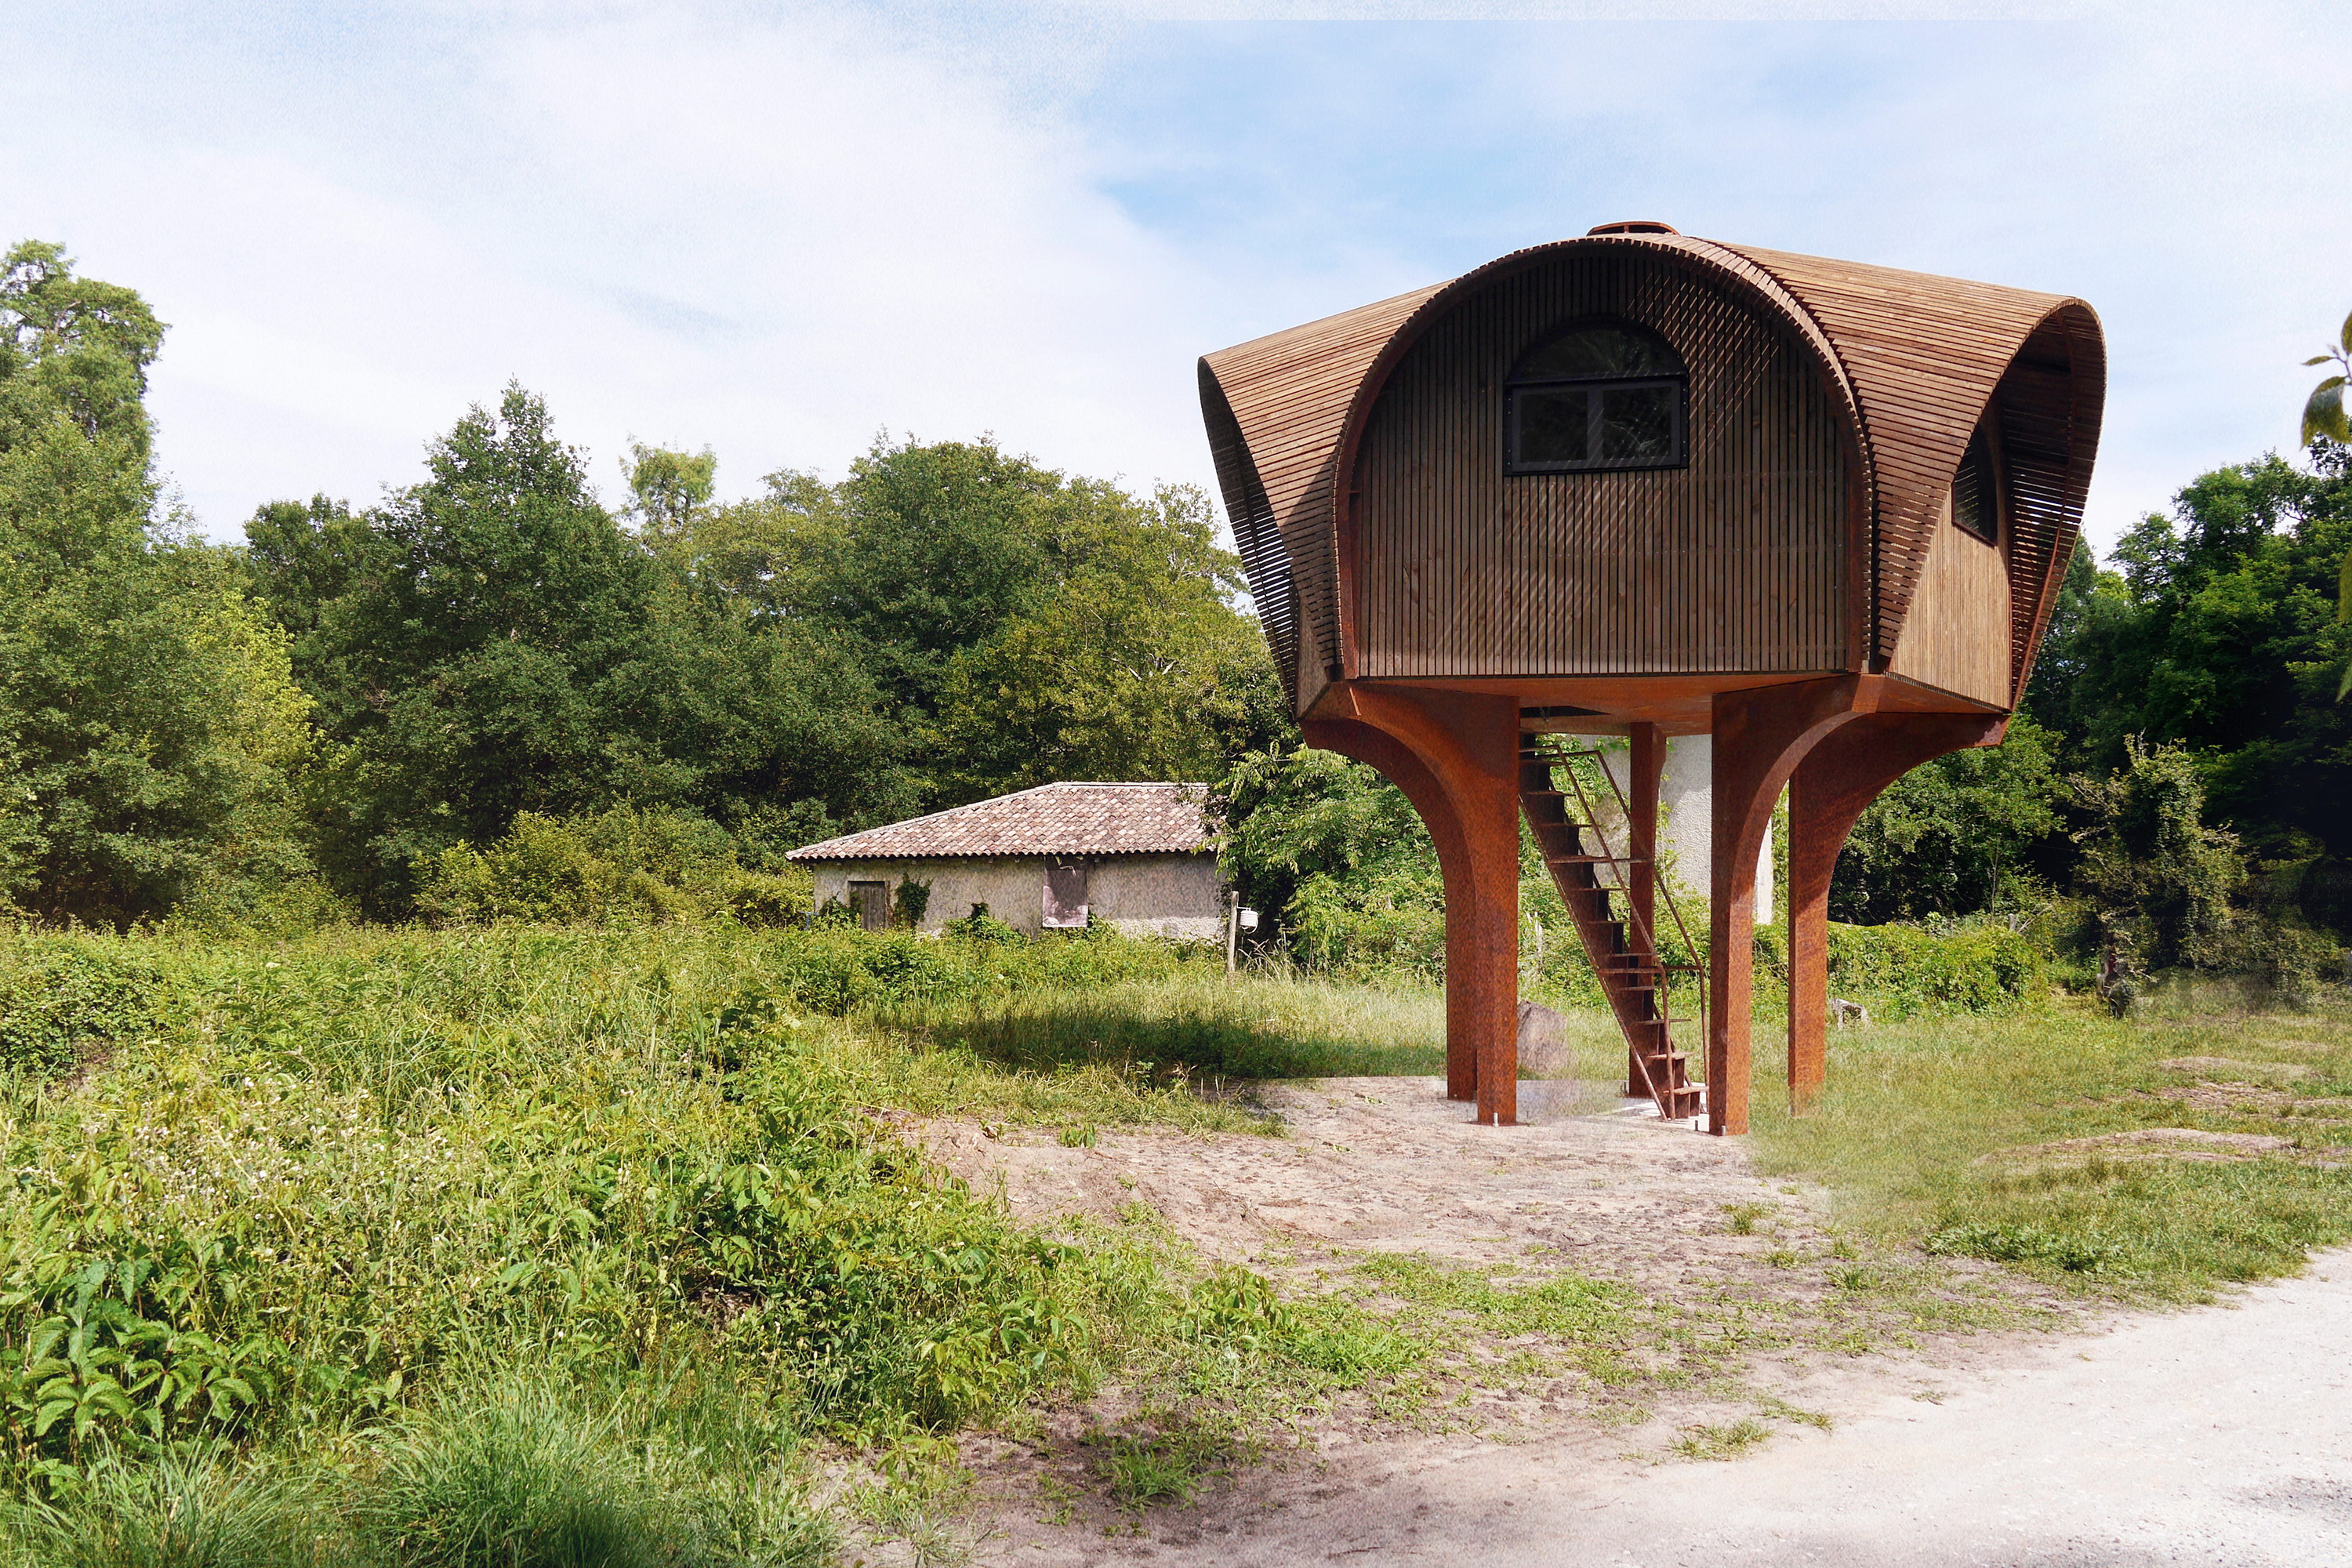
[
  {"x": 1455, "y": 757},
  {"x": 1835, "y": 782},
  {"x": 1761, "y": 736},
  {"x": 1647, "y": 763}
]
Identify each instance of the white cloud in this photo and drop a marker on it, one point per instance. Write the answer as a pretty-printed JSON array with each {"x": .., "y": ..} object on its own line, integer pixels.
[{"x": 778, "y": 234}]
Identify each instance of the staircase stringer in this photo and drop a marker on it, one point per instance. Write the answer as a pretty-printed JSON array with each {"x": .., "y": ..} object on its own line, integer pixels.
[{"x": 1624, "y": 954}]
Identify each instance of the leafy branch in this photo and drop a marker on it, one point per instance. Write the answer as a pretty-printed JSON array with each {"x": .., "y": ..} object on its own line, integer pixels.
[{"x": 2324, "y": 414}]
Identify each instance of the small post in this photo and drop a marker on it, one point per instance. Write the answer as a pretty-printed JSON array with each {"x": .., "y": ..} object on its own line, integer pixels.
[{"x": 1232, "y": 928}]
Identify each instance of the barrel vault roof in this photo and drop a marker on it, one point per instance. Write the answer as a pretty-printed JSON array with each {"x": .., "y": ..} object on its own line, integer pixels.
[{"x": 1913, "y": 358}]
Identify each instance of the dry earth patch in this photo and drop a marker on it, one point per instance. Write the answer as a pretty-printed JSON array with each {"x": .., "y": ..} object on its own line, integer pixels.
[{"x": 1753, "y": 1309}]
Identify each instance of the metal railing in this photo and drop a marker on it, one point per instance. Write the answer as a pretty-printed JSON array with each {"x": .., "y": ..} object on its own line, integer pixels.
[{"x": 1574, "y": 764}]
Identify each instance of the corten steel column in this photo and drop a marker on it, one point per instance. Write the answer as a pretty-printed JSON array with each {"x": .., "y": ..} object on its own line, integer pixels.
[
  {"x": 1646, "y": 764},
  {"x": 1761, "y": 736},
  {"x": 1455, "y": 757},
  {"x": 1835, "y": 782}
]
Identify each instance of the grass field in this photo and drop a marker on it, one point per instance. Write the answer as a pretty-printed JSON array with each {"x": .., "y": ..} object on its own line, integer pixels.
[
  {"x": 1935, "y": 1133},
  {"x": 529, "y": 1246}
]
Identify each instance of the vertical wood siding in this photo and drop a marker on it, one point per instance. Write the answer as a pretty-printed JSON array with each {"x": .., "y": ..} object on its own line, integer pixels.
[
  {"x": 1736, "y": 562},
  {"x": 1956, "y": 637}
]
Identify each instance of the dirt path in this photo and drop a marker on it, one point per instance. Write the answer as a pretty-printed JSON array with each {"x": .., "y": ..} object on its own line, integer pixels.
[
  {"x": 1389, "y": 1164},
  {"x": 2220, "y": 1437}
]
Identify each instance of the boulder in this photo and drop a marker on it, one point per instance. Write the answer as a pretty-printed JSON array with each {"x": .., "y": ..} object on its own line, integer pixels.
[{"x": 1543, "y": 1042}]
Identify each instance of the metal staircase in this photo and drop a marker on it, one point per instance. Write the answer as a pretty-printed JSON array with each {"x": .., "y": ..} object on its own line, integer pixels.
[{"x": 1559, "y": 787}]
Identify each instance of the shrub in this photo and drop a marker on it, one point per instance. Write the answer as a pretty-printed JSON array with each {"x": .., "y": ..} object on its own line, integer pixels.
[
  {"x": 58, "y": 999},
  {"x": 622, "y": 864},
  {"x": 182, "y": 1509},
  {"x": 1977, "y": 968}
]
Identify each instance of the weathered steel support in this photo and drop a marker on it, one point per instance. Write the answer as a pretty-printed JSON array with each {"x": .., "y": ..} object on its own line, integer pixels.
[
  {"x": 1761, "y": 736},
  {"x": 1455, "y": 757},
  {"x": 1833, "y": 786}
]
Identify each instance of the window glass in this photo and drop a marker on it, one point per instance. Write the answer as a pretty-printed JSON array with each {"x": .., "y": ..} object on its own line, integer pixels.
[
  {"x": 1600, "y": 395},
  {"x": 1637, "y": 423},
  {"x": 1553, "y": 425},
  {"x": 1976, "y": 499},
  {"x": 1599, "y": 351}
]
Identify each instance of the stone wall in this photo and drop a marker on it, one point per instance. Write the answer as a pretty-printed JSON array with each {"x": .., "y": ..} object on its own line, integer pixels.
[{"x": 1156, "y": 895}]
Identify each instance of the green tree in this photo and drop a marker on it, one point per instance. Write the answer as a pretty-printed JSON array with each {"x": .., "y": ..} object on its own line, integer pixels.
[
  {"x": 770, "y": 555},
  {"x": 2160, "y": 881},
  {"x": 2219, "y": 634},
  {"x": 2324, "y": 424},
  {"x": 667, "y": 489},
  {"x": 1955, "y": 836},
  {"x": 492, "y": 642},
  {"x": 1309, "y": 836},
  {"x": 147, "y": 717},
  {"x": 1135, "y": 665},
  {"x": 940, "y": 546}
]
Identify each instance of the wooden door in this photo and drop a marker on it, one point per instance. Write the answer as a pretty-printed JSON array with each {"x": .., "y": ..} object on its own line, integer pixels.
[
  {"x": 871, "y": 901},
  {"x": 1065, "y": 896}
]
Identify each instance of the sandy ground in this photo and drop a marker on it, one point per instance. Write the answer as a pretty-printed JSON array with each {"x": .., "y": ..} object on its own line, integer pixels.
[
  {"x": 1390, "y": 1164},
  {"x": 2218, "y": 1436}
]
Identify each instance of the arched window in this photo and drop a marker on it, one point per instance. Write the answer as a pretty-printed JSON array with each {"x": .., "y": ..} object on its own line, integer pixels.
[
  {"x": 1600, "y": 395},
  {"x": 1976, "y": 491}
]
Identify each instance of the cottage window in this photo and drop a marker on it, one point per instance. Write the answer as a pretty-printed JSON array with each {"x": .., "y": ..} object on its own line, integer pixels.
[
  {"x": 1975, "y": 492},
  {"x": 1600, "y": 395}
]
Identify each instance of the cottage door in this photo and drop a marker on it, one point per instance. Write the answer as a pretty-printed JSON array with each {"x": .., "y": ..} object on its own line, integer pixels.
[
  {"x": 1065, "y": 896},
  {"x": 872, "y": 903}
]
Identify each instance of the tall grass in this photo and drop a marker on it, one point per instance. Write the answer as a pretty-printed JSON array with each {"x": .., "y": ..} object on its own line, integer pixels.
[{"x": 296, "y": 1196}]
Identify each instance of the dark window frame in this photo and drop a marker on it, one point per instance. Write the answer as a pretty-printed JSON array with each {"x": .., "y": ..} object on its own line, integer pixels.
[
  {"x": 1520, "y": 383},
  {"x": 1978, "y": 476}
]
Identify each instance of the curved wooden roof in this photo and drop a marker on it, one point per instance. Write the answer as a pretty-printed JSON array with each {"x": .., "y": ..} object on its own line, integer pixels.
[{"x": 1914, "y": 360}]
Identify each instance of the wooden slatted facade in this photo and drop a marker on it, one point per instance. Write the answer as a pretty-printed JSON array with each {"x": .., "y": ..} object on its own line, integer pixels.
[
  {"x": 1735, "y": 563},
  {"x": 1803, "y": 578},
  {"x": 1424, "y": 562}
]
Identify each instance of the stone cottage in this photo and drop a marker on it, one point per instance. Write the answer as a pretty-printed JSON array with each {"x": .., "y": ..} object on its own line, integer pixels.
[{"x": 1136, "y": 857}]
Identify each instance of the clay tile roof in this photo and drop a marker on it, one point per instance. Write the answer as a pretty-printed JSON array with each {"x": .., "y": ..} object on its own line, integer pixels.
[{"x": 1051, "y": 819}]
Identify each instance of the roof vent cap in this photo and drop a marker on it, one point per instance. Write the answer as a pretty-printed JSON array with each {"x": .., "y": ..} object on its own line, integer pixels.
[{"x": 1633, "y": 226}]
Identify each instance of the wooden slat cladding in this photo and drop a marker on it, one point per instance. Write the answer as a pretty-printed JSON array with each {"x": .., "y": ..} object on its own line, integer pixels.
[
  {"x": 2048, "y": 411},
  {"x": 1956, "y": 637},
  {"x": 1735, "y": 563},
  {"x": 1907, "y": 364},
  {"x": 1275, "y": 407},
  {"x": 1925, "y": 354}
]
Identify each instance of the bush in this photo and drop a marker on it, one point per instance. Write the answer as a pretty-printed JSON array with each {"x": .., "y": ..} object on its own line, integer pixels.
[
  {"x": 524, "y": 1481},
  {"x": 1975, "y": 968},
  {"x": 61, "y": 998},
  {"x": 183, "y": 1509},
  {"x": 624, "y": 864}
]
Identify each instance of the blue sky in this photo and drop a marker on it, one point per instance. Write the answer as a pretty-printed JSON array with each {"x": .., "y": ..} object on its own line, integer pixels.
[{"x": 779, "y": 230}]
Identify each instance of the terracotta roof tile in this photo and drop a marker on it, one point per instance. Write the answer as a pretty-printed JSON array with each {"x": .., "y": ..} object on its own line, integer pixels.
[{"x": 1051, "y": 819}]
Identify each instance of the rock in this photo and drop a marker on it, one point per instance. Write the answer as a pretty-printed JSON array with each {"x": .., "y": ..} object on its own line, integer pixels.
[
  {"x": 1843, "y": 1012},
  {"x": 1543, "y": 1041}
]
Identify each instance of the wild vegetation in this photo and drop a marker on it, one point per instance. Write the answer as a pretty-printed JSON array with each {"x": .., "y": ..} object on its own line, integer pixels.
[{"x": 437, "y": 1133}]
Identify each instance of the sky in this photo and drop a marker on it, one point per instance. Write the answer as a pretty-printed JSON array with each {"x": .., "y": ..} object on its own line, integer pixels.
[{"x": 784, "y": 231}]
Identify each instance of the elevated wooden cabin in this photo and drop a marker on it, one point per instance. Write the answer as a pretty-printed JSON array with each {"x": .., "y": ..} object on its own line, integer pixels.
[{"x": 1642, "y": 484}]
